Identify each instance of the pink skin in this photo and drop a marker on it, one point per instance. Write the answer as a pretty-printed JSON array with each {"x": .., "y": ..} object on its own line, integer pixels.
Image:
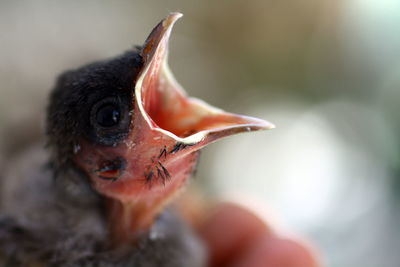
[
  {"x": 237, "y": 237},
  {"x": 160, "y": 152}
]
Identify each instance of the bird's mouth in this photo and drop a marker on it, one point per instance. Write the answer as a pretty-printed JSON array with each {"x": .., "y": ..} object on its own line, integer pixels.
[
  {"x": 167, "y": 129},
  {"x": 166, "y": 107}
]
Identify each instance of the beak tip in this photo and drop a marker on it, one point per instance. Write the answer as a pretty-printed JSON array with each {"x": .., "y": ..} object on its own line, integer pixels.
[
  {"x": 270, "y": 126},
  {"x": 171, "y": 19},
  {"x": 265, "y": 125},
  {"x": 261, "y": 124}
]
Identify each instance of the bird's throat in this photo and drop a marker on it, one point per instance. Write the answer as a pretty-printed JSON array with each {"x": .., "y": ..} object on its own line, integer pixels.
[{"x": 130, "y": 219}]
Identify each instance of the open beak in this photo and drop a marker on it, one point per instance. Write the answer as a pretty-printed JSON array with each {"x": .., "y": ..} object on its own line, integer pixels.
[
  {"x": 167, "y": 129},
  {"x": 166, "y": 107}
]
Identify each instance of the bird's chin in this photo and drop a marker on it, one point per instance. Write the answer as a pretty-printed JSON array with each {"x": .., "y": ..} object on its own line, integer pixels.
[{"x": 147, "y": 179}]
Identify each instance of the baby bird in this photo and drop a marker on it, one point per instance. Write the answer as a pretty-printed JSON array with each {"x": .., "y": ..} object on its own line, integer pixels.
[{"x": 122, "y": 141}]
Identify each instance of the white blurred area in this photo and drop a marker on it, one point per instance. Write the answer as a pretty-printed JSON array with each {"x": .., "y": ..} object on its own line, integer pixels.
[{"x": 325, "y": 72}]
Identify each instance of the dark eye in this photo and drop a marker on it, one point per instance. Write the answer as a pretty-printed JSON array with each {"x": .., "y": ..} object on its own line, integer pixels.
[
  {"x": 108, "y": 115},
  {"x": 110, "y": 119}
]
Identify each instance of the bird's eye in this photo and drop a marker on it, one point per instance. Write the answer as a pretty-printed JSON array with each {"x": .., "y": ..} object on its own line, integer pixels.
[
  {"x": 110, "y": 119},
  {"x": 108, "y": 115}
]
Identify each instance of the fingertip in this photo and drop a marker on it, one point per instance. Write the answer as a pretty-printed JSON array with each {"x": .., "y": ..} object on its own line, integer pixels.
[
  {"x": 228, "y": 230},
  {"x": 275, "y": 251}
]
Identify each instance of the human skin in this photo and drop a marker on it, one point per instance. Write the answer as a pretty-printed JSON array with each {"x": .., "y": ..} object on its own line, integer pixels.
[{"x": 237, "y": 237}]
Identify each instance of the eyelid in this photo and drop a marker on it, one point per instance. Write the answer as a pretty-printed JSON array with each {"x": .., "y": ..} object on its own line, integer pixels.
[{"x": 112, "y": 169}]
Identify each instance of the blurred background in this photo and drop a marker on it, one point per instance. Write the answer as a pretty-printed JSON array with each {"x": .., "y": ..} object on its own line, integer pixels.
[{"x": 327, "y": 73}]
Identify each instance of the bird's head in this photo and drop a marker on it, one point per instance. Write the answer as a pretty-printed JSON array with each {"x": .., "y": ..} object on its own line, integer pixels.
[{"x": 129, "y": 126}]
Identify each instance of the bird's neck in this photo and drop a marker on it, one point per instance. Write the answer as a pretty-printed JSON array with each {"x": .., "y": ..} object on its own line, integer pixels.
[{"x": 128, "y": 221}]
